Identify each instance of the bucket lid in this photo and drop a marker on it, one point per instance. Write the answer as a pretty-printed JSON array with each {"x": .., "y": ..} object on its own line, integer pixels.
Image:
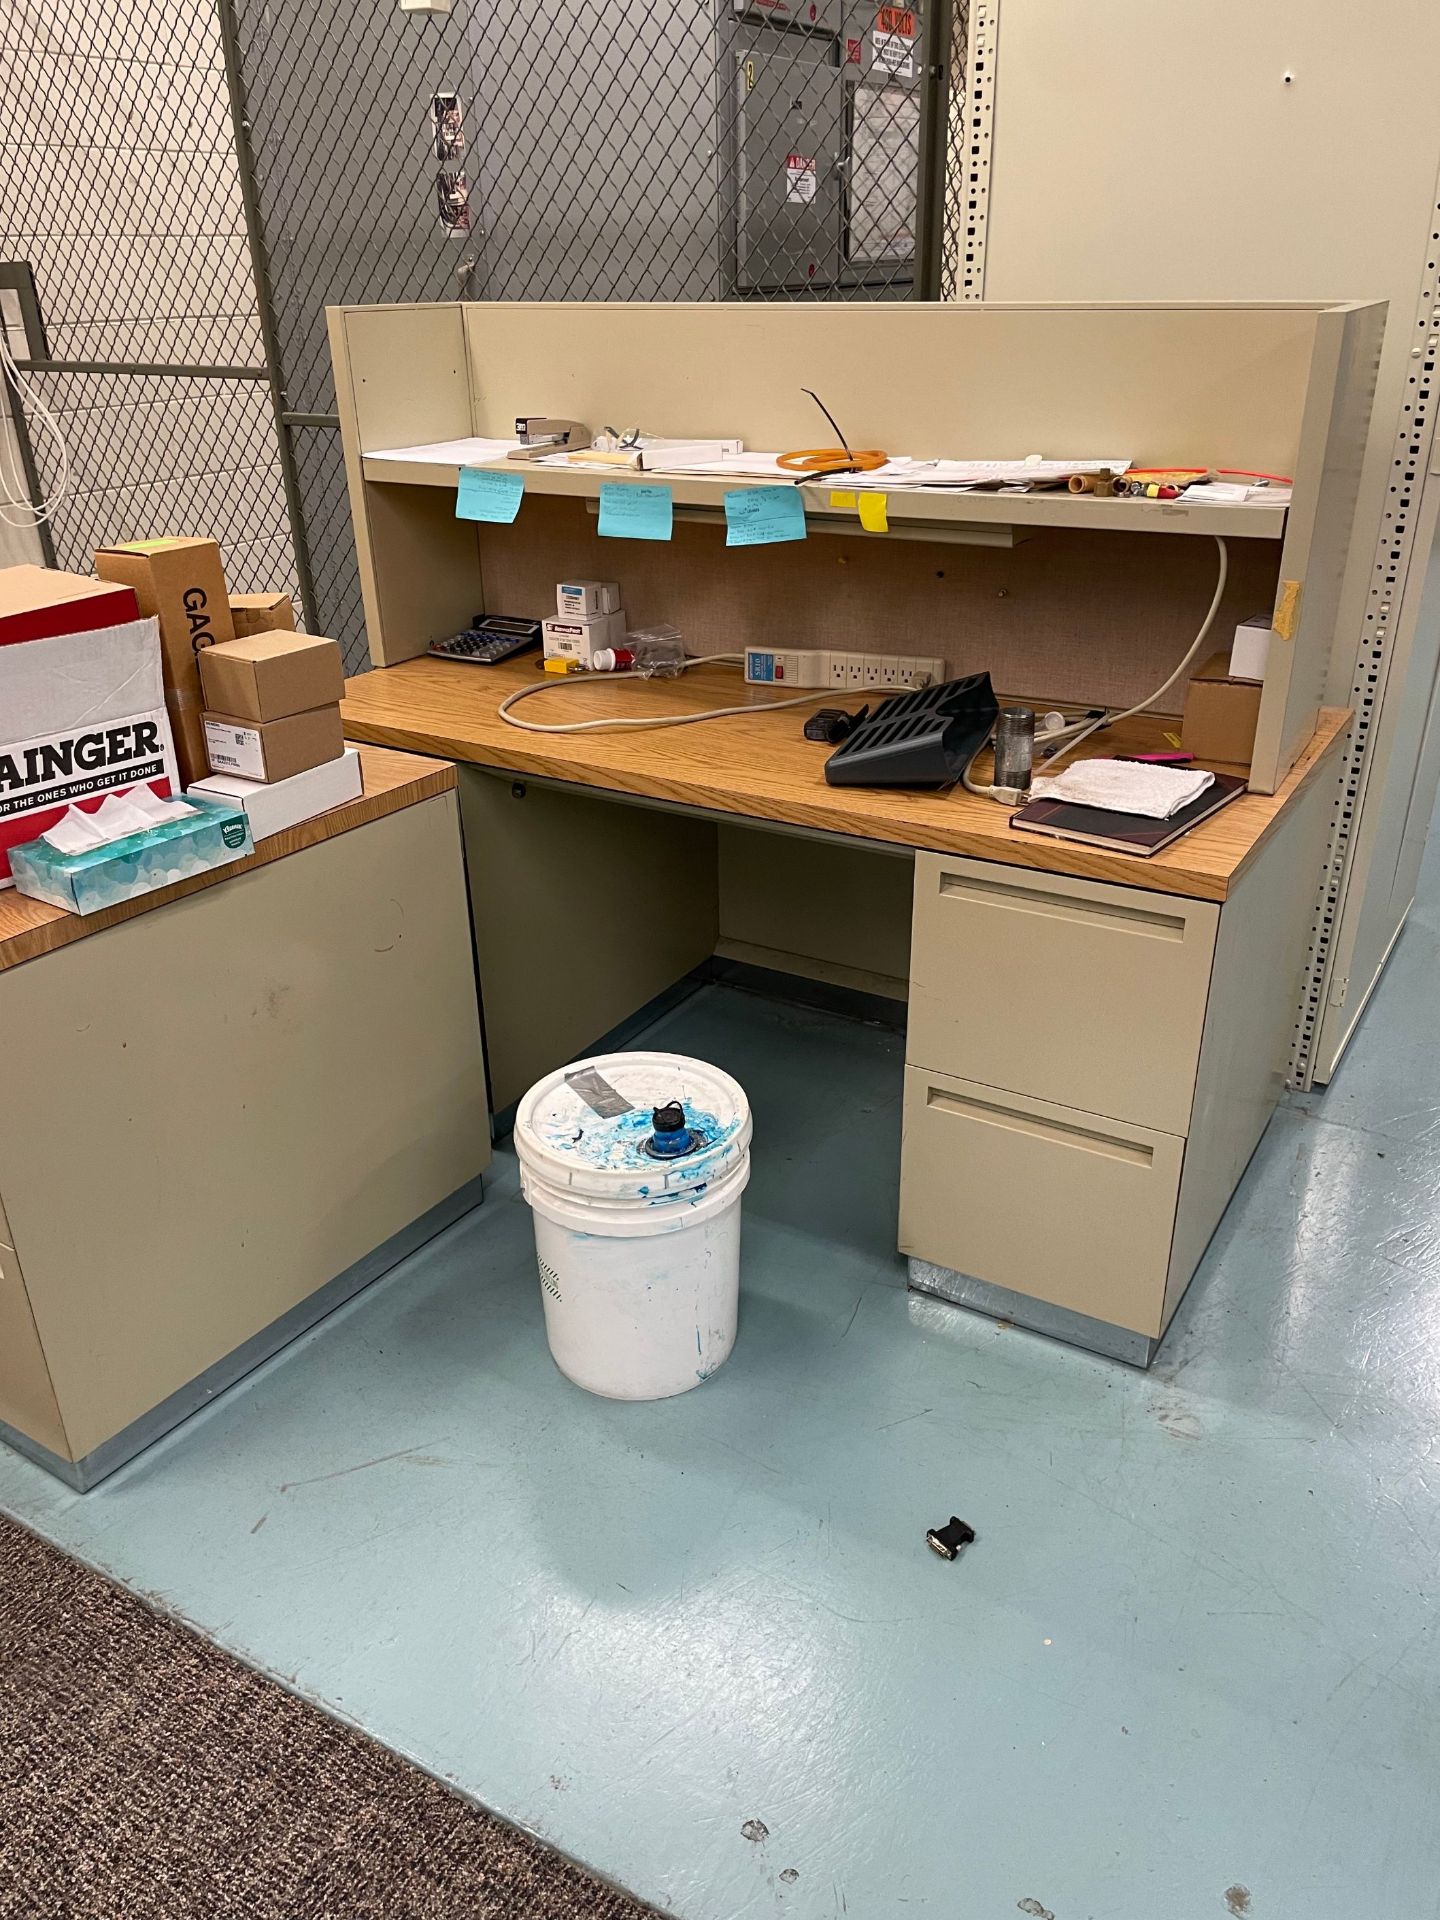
[{"x": 588, "y": 1128}]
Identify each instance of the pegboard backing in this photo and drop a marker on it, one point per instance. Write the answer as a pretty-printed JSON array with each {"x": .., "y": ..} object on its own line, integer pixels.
[{"x": 1063, "y": 616}]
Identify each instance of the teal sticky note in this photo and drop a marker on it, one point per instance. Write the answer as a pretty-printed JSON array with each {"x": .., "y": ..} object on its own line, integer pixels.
[
  {"x": 629, "y": 512},
  {"x": 756, "y": 516},
  {"x": 489, "y": 496}
]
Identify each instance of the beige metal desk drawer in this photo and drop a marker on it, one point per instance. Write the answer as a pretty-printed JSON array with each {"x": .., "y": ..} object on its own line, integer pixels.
[
  {"x": 1059, "y": 1205},
  {"x": 1071, "y": 990}
]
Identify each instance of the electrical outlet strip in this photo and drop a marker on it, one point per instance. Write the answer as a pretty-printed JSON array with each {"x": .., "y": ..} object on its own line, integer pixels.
[{"x": 803, "y": 667}]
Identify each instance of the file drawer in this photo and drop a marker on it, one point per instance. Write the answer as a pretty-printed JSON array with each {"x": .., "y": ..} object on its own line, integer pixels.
[
  {"x": 1089, "y": 995},
  {"x": 1038, "y": 1198}
]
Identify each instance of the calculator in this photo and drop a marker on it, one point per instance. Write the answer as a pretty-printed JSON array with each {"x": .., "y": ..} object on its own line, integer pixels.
[{"x": 489, "y": 639}]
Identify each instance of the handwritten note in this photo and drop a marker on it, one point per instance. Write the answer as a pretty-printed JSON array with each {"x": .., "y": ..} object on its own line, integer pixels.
[
  {"x": 489, "y": 496},
  {"x": 758, "y": 516},
  {"x": 630, "y": 512}
]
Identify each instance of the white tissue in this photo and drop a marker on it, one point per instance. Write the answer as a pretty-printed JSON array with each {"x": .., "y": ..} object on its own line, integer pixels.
[
  {"x": 1126, "y": 786},
  {"x": 118, "y": 814}
]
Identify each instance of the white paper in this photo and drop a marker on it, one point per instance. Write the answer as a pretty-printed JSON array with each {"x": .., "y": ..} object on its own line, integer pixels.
[{"x": 447, "y": 453}]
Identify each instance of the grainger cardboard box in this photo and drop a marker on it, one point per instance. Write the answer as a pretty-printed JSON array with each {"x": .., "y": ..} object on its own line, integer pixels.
[
  {"x": 273, "y": 749},
  {"x": 261, "y": 613},
  {"x": 181, "y": 583},
  {"x": 39, "y": 603},
  {"x": 263, "y": 676},
  {"x": 82, "y": 715},
  {"x": 1221, "y": 715}
]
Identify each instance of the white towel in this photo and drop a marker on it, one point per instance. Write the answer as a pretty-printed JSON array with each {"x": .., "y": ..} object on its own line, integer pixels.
[{"x": 1126, "y": 786}]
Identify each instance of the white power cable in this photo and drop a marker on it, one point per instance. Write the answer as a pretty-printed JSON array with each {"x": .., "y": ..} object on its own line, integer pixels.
[
  {"x": 655, "y": 720},
  {"x": 14, "y": 491},
  {"x": 1084, "y": 731}
]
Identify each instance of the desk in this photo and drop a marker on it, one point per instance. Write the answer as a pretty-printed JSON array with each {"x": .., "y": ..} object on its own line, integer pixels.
[
  {"x": 1094, "y": 1043},
  {"x": 228, "y": 1106}
]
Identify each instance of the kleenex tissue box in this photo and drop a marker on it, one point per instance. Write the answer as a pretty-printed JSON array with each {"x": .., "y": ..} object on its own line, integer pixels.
[{"x": 186, "y": 838}]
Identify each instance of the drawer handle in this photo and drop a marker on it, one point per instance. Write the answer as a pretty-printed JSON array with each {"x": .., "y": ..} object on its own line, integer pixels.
[
  {"x": 998, "y": 893},
  {"x": 1132, "y": 1152}
]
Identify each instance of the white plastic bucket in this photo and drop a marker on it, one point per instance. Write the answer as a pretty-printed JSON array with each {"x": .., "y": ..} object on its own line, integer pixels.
[{"x": 639, "y": 1255}]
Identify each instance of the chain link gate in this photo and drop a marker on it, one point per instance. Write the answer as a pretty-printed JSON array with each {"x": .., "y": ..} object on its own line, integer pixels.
[
  {"x": 581, "y": 150},
  {"x": 194, "y": 184}
]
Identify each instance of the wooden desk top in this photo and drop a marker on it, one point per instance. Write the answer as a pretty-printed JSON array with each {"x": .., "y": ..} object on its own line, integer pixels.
[
  {"x": 393, "y": 781},
  {"x": 761, "y": 768}
]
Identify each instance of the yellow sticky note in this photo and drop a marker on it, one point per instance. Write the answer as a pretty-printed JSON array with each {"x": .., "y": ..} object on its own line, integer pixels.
[
  {"x": 873, "y": 516},
  {"x": 842, "y": 500},
  {"x": 1287, "y": 610}
]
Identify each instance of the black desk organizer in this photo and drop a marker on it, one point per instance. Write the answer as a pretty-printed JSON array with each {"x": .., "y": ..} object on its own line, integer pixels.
[{"x": 922, "y": 739}]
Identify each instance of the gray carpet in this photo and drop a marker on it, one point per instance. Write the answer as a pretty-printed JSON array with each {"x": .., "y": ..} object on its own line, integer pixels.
[{"x": 145, "y": 1775}]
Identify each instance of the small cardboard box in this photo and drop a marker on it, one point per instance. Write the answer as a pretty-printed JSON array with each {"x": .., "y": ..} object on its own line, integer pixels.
[
  {"x": 181, "y": 584},
  {"x": 1250, "y": 648},
  {"x": 582, "y": 599},
  {"x": 581, "y": 637},
  {"x": 285, "y": 803},
  {"x": 264, "y": 676},
  {"x": 1221, "y": 715},
  {"x": 261, "y": 613},
  {"x": 271, "y": 750},
  {"x": 41, "y": 603}
]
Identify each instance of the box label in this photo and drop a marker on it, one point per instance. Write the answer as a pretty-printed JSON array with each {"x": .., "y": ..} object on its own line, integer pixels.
[{"x": 235, "y": 750}]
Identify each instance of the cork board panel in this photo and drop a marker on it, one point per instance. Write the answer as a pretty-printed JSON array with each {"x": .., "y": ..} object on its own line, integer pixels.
[{"x": 1067, "y": 616}]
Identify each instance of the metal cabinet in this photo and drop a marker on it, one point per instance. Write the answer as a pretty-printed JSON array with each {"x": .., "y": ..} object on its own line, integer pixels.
[{"x": 790, "y": 137}]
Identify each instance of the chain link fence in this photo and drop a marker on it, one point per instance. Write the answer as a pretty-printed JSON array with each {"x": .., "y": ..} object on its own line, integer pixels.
[{"x": 196, "y": 186}]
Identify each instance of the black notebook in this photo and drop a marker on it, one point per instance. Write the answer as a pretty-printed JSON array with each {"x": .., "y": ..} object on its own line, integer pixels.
[{"x": 1137, "y": 833}]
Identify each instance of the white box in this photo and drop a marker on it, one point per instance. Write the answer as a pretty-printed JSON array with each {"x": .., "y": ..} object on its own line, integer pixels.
[
  {"x": 81, "y": 715},
  {"x": 1250, "y": 648},
  {"x": 580, "y": 639},
  {"x": 583, "y": 599},
  {"x": 285, "y": 803}
]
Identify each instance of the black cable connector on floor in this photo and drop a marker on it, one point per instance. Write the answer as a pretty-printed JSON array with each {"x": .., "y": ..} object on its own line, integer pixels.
[{"x": 948, "y": 1541}]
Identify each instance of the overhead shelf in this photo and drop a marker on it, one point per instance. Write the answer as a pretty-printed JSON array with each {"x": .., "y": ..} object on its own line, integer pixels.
[{"x": 1248, "y": 520}]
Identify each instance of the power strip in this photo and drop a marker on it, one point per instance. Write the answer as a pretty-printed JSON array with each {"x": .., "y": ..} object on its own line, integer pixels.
[{"x": 854, "y": 672}]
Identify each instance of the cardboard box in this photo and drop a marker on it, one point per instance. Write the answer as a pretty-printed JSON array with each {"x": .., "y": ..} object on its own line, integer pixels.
[
  {"x": 182, "y": 585},
  {"x": 41, "y": 603},
  {"x": 272, "y": 750},
  {"x": 1221, "y": 715},
  {"x": 264, "y": 676},
  {"x": 1250, "y": 648},
  {"x": 285, "y": 803},
  {"x": 580, "y": 639},
  {"x": 261, "y": 613},
  {"x": 580, "y": 599},
  {"x": 82, "y": 715}
]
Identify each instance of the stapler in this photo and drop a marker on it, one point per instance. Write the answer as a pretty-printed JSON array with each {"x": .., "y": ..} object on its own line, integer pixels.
[{"x": 538, "y": 435}]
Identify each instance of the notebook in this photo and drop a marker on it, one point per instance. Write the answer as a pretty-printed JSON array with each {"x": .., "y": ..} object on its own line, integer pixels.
[{"x": 1136, "y": 833}]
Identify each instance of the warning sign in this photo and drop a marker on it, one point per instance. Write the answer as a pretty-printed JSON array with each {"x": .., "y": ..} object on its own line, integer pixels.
[
  {"x": 894, "y": 42},
  {"x": 853, "y": 51},
  {"x": 800, "y": 177}
]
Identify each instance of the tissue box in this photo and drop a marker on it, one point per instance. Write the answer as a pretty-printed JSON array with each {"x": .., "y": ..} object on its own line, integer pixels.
[
  {"x": 285, "y": 803},
  {"x": 261, "y": 613},
  {"x": 267, "y": 675},
  {"x": 213, "y": 836},
  {"x": 182, "y": 584},
  {"x": 273, "y": 749}
]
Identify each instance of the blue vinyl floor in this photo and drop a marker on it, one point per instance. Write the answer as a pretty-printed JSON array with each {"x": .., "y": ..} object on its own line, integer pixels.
[{"x": 1189, "y": 1669}]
